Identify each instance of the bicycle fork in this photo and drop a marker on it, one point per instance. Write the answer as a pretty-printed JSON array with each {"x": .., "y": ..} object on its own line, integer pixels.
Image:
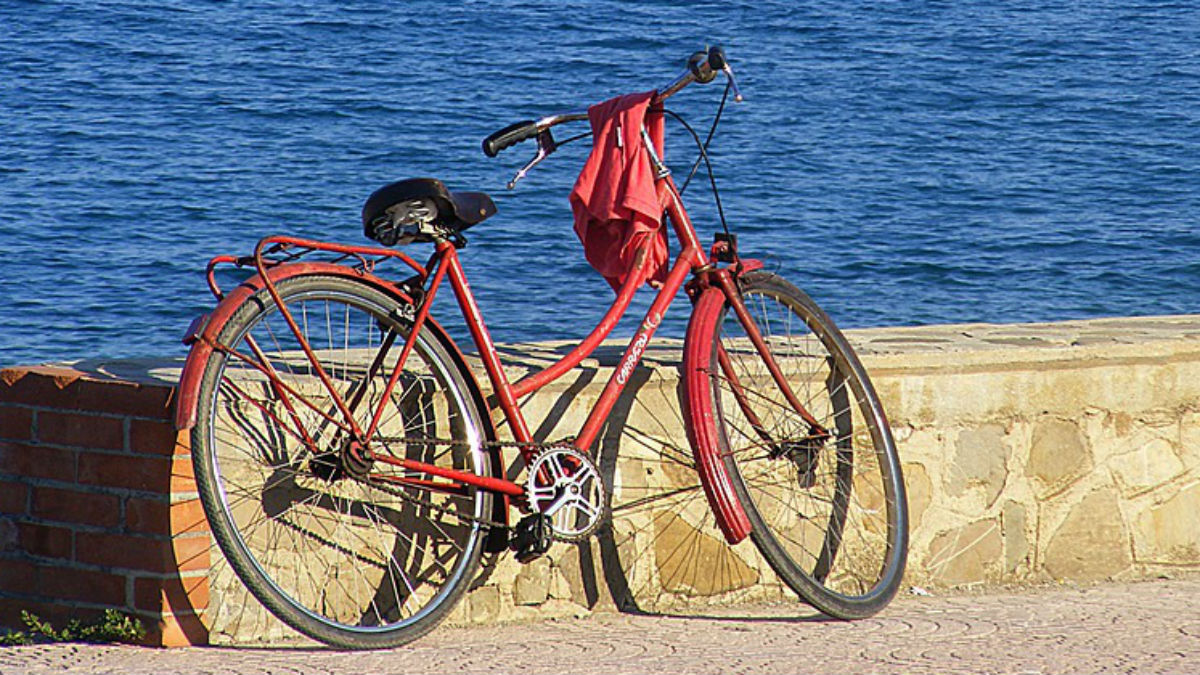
[{"x": 712, "y": 289}]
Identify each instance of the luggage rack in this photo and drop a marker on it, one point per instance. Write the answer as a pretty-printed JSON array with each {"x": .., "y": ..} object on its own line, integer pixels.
[{"x": 281, "y": 249}]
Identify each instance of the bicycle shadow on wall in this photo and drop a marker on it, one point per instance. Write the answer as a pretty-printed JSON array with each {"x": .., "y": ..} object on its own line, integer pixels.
[
  {"x": 662, "y": 552},
  {"x": 316, "y": 530}
]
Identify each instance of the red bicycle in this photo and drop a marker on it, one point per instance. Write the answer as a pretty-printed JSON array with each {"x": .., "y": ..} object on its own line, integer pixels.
[{"x": 352, "y": 474}]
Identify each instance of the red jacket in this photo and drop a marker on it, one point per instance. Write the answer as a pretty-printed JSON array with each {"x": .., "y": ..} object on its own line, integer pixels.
[{"x": 615, "y": 201}]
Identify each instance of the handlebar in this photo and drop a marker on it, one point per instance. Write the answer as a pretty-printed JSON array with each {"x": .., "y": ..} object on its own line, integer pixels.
[
  {"x": 509, "y": 136},
  {"x": 702, "y": 67}
]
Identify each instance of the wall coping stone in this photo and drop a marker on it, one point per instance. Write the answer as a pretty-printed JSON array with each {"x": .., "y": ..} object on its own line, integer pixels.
[
  {"x": 897, "y": 347},
  {"x": 888, "y": 350}
]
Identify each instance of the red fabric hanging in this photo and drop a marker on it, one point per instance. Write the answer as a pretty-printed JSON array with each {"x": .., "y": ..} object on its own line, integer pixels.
[{"x": 615, "y": 201}]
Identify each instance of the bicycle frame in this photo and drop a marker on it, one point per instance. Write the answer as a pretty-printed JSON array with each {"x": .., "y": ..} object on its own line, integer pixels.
[{"x": 445, "y": 263}]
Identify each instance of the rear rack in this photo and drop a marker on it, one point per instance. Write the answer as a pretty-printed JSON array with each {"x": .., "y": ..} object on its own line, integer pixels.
[{"x": 280, "y": 250}]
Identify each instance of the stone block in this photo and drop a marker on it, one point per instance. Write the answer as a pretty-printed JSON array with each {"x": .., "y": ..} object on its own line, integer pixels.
[
  {"x": 1016, "y": 536},
  {"x": 980, "y": 462},
  {"x": 1152, "y": 463},
  {"x": 1092, "y": 544},
  {"x": 1189, "y": 440},
  {"x": 1167, "y": 532},
  {"x": 920, "y": 493},
  {"x": 691, "y": 562},
  {"x": 1058, "y": 456},
  {"x": 569, "y": 566},
  {"x": 966, "y": 555},
  {"x": 484, "y": 605},
  {"x": 532, "y": 585}
]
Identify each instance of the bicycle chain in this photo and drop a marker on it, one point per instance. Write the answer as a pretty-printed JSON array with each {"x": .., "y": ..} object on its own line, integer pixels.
[{"x": 398, "y": 492}]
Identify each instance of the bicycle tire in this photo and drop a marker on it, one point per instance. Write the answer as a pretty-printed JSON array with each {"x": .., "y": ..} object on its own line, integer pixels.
[
  {"x": 346, "y": 560},
  {"x": 830, "y": 517}
]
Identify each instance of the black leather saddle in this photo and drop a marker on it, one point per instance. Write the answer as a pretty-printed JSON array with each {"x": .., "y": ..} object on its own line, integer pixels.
[{"x": 456, "y": 210}]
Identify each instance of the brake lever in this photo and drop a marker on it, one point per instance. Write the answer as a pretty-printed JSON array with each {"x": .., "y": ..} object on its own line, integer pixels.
[
  {"x": 546, "y": 145},
  {"x": 737, "y": 93}
]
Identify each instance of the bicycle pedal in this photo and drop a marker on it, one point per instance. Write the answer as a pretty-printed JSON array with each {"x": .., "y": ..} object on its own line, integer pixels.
[{"x": 531, "y": 537}]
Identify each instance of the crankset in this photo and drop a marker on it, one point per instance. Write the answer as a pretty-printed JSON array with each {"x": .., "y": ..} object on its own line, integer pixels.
[{"x": 565, "y": 487}]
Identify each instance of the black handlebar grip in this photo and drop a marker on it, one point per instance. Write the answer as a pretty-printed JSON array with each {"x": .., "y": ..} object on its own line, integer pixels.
[
  {"x": 509, "y": 136},
  {"x": 716, "y": 58}
]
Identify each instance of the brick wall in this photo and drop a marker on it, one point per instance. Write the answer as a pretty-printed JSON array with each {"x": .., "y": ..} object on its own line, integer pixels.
[{"x": 98, "y": 507}]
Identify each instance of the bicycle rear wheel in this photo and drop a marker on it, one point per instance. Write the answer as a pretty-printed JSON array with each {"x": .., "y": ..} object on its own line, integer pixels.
[
  {"x": 352, "y": 554},
  {"x": 828, "y": 512}
]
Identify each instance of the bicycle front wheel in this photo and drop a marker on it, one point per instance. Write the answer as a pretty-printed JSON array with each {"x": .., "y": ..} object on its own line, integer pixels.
[
  {"x": 821, "y": 486},
  {"x": 353, "y": 553}
]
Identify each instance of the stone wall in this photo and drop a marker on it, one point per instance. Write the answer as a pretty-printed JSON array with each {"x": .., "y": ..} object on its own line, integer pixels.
[
  {"x": 1032, "y": 453},
  {"x": 1067, "y": 451}
]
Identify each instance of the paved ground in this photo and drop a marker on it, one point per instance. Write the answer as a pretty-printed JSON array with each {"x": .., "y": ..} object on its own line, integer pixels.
[{"x": 1149, "y": 627}]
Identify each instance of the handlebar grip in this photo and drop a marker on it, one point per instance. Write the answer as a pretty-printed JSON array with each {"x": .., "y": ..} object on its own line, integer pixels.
[
  {"x": 716, "y": 58},
  {"x": 509, "y": 136}
]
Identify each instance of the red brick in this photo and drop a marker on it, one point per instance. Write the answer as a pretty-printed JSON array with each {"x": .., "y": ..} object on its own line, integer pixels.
[
  {"x": 44, "y": 540},
  {"x": 87, "y": 431},
  {"x": 191, "y": 553},
  {"x": 67, "y": 583},
  {"x": 152, "y": 474},
  {"x": 187, "y": 630},
  {"x": 125, "y": 551},
  {"x": 14, "y": 497},
  {"x": 16, "y": 423},
  {"x": 183, "y": 479},
  {"x": 154, "y": 516},
  {"x": 31, "y": 461},
  {"x": 188, "y": 517},
  {"x": 74, "y": 506},
  {"x": 17, "y": 576},
  {"x": 148, "y": 554},
  {"x": 126, "y": 398},
  {"x": 37, "y": 385},
  {"x": 156, "y": 438},
  {"x": 171, "y": 594},
  {"x": 69, "y": 389},
  {"x": 147, "y": 516}
]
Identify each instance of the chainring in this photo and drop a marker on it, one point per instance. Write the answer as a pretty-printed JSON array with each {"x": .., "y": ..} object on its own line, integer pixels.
[{"x": 564, "y": 485}]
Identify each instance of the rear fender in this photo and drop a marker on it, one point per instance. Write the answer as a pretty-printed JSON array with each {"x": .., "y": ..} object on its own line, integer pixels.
[{"x": 204, "y": 332}]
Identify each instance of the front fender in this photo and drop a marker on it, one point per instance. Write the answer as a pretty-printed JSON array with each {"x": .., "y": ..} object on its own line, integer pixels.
[{"x": 703, "y": 430}]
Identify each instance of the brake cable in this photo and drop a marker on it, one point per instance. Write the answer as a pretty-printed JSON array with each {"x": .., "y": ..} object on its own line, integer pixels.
[
  {"x": 703, "y": 157},
  {"x": 711, "y": 131}
]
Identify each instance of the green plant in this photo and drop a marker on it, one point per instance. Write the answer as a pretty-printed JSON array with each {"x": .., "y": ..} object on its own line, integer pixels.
[{"x": 112, "y": 626}]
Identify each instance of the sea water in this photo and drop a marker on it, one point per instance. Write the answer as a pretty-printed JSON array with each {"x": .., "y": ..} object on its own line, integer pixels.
[{"x": 904, "y": 162}]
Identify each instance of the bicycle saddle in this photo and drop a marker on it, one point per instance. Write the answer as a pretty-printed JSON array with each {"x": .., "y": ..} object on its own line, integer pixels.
[{"x": 393, "y": 213}]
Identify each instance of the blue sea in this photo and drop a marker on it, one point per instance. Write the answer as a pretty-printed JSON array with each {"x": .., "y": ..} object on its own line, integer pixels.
[{"x": 905, "y": 162}]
